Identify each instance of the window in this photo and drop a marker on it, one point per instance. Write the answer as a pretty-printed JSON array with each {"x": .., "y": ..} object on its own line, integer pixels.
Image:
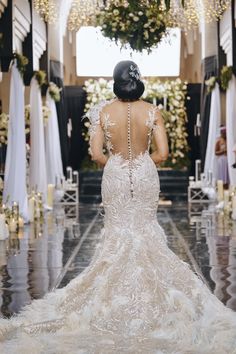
[{"x": 97, "y": 55}]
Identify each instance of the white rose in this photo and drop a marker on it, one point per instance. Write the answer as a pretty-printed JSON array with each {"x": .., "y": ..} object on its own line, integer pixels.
[
  {"x": 116, "y": 12},
  {"x": 140, "y": 13},
  {"x": 136, "y": 18}
]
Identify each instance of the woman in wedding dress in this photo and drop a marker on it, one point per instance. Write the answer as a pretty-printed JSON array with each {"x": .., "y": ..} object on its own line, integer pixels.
[{"x": 136, "y": 296}]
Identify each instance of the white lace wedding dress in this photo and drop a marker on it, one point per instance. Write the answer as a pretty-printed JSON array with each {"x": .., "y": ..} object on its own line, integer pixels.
[{"x": 136, "y": 296}]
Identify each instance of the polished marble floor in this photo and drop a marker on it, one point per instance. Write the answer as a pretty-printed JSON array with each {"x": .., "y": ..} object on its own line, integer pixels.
[{"x": 46, "y": 257}]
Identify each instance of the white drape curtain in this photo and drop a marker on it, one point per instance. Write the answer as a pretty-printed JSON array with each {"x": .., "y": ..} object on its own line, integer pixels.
[
  {"x": 37, "y": 171},
  {"x": 15, "y": 168},
  {"x": 231, "y": 127},
  {"x": 52, "y": 143},
  {"x": 213, "y": 133}
]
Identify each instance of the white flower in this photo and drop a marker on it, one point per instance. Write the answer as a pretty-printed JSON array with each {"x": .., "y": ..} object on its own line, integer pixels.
[
  {"x": 116, "y": 12},
  {"x": 140, "y": 13},
  {"x": 136, "y": 18}
]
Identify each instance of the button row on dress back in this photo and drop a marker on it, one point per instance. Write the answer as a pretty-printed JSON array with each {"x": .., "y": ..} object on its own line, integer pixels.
[{"x": 130, "y": 151}]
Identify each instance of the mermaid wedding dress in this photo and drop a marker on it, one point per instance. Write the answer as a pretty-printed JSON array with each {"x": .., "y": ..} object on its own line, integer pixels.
[{"x": 136, "y": 296}]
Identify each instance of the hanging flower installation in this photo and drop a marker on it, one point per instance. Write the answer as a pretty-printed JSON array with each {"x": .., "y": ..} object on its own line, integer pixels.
[
  {"x": 173, "y": 111},
  {"x": 47, "y": 9},
  {"x": 141, "y": 24}
]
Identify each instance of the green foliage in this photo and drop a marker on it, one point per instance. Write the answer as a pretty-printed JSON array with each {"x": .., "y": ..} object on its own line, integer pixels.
[
  {"x": 21, "y": 63},
  {"x": 140, "y": 24}
]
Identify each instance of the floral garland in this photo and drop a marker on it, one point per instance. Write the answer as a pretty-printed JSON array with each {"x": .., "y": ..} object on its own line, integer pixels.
[
  {"x": 225, "y": 76},
  {"x": 4, "y": 119},
  {"x": 141, "y": 24},
  {"x": 175, "y": 118},
  {"x": 40, "y": 76},
  {"x": 21, "y": 63},
  {"x": 224, "y": 79},
  {"x": 210, "y": 84},
  {"x": 54, "y": 91}
]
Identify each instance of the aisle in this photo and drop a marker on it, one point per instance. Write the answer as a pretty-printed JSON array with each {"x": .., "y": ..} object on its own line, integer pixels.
[{"x": 39, "y": 262}]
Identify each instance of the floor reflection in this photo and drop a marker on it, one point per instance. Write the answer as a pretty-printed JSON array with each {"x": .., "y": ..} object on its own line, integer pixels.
[{"x": 44, "y": 257}]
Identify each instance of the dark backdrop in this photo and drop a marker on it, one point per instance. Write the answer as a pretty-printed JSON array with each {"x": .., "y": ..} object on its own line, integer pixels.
[{"x": 75, "y": 98}]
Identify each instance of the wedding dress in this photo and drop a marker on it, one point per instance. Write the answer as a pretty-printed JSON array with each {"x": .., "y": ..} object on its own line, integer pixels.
[{"x": 136, "y": 296}]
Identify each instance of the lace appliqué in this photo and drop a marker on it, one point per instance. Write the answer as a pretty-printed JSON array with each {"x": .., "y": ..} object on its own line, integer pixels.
[
  {"x": 106, "y": 123},
  {"x": 94, "y": 116},
  {"x": 151, "y": 123}
]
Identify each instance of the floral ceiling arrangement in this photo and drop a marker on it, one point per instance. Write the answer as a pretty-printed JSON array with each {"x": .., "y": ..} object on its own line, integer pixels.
[
  {"x": 47, "y": 10},
  {"x": 141, "y": 24},
  {"x": 173, "y": 95},
  {"x": 223, "y": 80}
]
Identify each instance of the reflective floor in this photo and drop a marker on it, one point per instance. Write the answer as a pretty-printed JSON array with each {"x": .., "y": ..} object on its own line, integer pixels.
[{"x": 46, "y": 257}]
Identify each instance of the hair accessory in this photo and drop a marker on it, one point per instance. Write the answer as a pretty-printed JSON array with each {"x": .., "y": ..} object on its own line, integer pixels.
[{"x": 134, "y": 72}]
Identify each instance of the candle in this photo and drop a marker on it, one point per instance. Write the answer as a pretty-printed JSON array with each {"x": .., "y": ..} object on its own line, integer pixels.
[
  {"x": 76, "y": 177},
  {"x": 2, "y": 227},
  {"x": 209, "y": 177},
  {"x": 226, "y": 198},
  {"x": 31, "y": 209},
  {"x": 50, "y": 196},
  {"x": 69, "y": 174},
  {"x": 21, "y": 222},
  {"x": 165, "y": 102},
  {"x": 191, "y": 181},
  {"x": 197, "y": 170},
  {"x": 220, "y": 190},
  {"x": 234, "y": 207},
  {"x": 63, "y": 183},
  {"x": 12, "y": 225}
]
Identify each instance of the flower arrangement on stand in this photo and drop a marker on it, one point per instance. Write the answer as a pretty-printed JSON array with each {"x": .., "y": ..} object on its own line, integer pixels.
[
  {"x": 173, "y": 93},
  {"x": 141, "y": 24}
]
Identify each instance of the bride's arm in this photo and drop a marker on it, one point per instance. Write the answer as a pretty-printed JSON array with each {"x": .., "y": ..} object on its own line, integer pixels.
[
  {"x": 161, "y": 142},
  {"x": 96, "y": 146}
]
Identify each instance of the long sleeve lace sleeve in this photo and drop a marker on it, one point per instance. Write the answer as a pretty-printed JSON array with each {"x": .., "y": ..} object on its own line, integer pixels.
[{"x": 96, "y": 134}]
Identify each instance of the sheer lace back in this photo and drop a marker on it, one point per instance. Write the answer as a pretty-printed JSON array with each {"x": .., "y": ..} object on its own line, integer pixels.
[{"x": 114, "y": 122}]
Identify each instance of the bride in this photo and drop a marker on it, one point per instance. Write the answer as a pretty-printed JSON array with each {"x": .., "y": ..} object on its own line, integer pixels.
[{"x": 136, "y": 296}]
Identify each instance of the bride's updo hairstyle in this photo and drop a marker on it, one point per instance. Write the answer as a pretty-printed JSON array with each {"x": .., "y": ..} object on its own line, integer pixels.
[{"x": 127, "y": 81}]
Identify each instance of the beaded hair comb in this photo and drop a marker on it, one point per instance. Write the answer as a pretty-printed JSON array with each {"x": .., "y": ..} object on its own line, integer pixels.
[{"x": 134, "y": 72}]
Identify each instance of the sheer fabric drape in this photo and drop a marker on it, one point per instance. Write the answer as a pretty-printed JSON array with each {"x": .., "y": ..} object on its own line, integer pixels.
[
  {"x": 15, "y": 169},
  {"x": 37, "y": 171},
  {"x": 213, "y": 133},
  {"x": 52, "y": 144},
  {"x": 231, "y": 128}
]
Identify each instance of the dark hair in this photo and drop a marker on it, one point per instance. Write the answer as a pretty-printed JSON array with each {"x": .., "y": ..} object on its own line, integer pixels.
[{"x": 127, "y": 81}]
